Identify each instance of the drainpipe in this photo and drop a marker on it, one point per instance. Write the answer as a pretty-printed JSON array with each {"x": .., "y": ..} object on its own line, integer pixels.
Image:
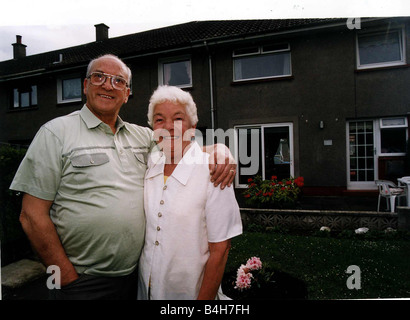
[{"x": 211, "y": 88}]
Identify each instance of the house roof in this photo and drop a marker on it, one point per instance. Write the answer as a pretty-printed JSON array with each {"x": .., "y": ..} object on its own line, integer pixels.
[{"x": 172, "y": 37}]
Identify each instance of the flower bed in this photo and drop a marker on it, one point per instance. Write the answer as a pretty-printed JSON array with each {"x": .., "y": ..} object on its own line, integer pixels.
[{"x": 273, "y": 193}]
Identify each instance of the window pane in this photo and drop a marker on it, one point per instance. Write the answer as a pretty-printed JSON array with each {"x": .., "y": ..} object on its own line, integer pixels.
[
  {"x": 71, "y": 89},
  {"x": 33, "y": 95},
  {"x": 177, "y": 73},
  {"x": 393, "y": 140},
  {"x": 361, "y": 151},
  {"x": 379, "y": 48},
  {"x": 25, "y": 99},
  {"x": 262, "y": 66},
  {"x": 250, "y": 153},
  {"x": 277, "y": 152},
  {"x": 16, "y": 102},
  {"x": 394, "y": 122}
]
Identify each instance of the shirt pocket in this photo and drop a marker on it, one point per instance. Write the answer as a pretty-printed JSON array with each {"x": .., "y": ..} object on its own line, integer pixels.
[
  {"x": 141, "y": 156},
  {"x": 89, "y": 160},
  {"x": 89, "y": 170}
]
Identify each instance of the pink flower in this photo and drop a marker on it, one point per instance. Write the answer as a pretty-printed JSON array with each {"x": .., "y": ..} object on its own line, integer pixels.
[
  {"x": 254, "y": 263},
  {"x": 243, "y": 278}
]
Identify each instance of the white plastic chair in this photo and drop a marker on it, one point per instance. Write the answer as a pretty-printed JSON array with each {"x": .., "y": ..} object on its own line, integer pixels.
[{"x": 390, "y": 191}]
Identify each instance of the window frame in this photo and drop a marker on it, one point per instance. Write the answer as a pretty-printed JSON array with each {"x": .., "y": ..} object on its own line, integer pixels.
[
  {"x": 261, "y": 51},
  {"x": 60, "y": 81},
  {"x": 402, "y": 42},
  {"x": 183, "y": 58},
  {"x": 33, "y": 101},
  {"x": 398, "y": 126},
  {"x": 262, "y": 127}
]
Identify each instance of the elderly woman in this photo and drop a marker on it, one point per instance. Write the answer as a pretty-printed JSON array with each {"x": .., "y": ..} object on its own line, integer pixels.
[{"x": 189, "y": 222}]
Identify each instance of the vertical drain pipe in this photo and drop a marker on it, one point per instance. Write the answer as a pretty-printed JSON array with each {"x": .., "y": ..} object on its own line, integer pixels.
[{"x": 211, "y": 89}]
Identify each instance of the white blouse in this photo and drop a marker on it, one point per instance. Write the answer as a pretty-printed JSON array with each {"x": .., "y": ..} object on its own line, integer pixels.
[{"x": 182, "y": 215}]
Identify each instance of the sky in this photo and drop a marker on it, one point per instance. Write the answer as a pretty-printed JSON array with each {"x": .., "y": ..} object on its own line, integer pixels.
[{"x": 47, "y": 25}]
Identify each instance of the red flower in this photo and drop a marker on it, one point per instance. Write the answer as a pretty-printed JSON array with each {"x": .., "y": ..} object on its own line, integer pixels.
[
  {"x": 250, "y": 180},
  {"x": 247, "y": 195},
  {"x": 274, "y": 177}
]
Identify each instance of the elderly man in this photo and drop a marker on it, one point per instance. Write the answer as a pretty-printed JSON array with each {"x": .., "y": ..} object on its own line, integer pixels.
[{"x": 82, "y": 179}]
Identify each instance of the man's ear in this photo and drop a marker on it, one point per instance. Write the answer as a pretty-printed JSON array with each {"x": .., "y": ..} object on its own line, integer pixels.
[
  {"x": 127, "y": 95},
  {"x": 85, "y": 86}
]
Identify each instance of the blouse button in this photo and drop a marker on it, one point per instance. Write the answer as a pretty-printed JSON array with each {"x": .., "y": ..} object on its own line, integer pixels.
[
  {"x": 159, "y": 214},
  {"x": 164, "y": 188},
  {"x": 156, "y": 243},
  {"x": 158, "y": 228},
  {"x": 161, "y": 202}
]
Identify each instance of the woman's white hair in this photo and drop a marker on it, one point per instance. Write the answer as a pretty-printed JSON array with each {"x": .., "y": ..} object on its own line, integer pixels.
[{"x": 174, "y": 95}]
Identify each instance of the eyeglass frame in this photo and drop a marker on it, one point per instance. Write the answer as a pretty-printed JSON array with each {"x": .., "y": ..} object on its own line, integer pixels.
[{"x": 107, "y": 75}]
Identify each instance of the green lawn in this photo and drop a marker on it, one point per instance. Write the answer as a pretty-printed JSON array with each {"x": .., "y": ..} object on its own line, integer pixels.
[{"x": 320, "y": 263}]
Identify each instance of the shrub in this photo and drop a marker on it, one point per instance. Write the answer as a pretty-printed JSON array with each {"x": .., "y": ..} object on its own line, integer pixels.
[
  {"x": 273, "y": 193},
  {"x": 10, "y": 228}
]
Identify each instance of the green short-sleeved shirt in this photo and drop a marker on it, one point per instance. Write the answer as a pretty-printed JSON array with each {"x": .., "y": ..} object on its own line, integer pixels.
[{"x": 95, "y": 179}]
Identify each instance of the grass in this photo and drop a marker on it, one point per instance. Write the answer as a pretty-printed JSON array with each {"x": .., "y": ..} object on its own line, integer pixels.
[{"x": 320, "y": 262}]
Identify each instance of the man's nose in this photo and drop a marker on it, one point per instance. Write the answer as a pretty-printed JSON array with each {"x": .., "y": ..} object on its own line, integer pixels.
[{"x": 107, "y": 83}]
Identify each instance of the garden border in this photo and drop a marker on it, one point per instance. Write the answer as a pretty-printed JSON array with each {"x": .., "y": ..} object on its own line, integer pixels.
[{"x": 315, "y": 219}]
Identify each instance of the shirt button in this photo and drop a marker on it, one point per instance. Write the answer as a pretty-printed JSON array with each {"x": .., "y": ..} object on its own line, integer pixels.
[
  {"x": 161, "y": 202},
  {"x": 159, "y": 214},
  {"x": 156, "y": 243},
  {"x": 92, "y": 161},
  {"x": 158, "y": 228},
  {"x": 164, "y": 188}
]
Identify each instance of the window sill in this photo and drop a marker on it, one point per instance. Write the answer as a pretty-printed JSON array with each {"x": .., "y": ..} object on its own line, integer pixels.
[
  {"x": 382, "y": 68},
  {"x": 235, "y": 83},
  {"x": 69, "y": 103},
  {"x": 22, "y": 109}
]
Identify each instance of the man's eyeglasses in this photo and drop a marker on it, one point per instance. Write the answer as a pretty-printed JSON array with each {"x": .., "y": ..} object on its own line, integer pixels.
[{"x": 98, "y": 78}]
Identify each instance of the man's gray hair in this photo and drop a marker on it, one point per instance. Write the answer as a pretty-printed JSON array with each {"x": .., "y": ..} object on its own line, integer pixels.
[{"x": 111, "y": 56}]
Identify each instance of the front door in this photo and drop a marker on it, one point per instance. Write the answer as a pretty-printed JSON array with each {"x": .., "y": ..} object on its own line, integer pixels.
[{"x": 361, "y": 164}]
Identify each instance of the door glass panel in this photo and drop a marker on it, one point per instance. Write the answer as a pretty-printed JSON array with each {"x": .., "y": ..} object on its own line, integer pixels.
[
  {"x": 277, "y": 152},
  {"x": 250, "y": 154},
  {"x": 361, "y": 146}
]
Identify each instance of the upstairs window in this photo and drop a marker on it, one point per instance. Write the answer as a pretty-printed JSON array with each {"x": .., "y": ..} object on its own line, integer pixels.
[
  {"x": 381, "y": 49},
  {"x": 175, "y": 72},
  {"x": 69, "y": 89},
  {"x": 269, "y": 61},
  {"x": 24, "y": 97}
]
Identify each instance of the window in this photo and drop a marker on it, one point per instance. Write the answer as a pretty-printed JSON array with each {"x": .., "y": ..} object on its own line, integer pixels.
[
  {"x": 262, "y": 62},
  {"x": 393, "y": 136},
  {"x": 375, "y": 150},
  {"x": 175, "y": 72},
  {"x": 25, "y": 97},
  {"x": 69, "y": 89},
  {"x": 381, "y": 49},
  {"x": 265, "y": 150}
]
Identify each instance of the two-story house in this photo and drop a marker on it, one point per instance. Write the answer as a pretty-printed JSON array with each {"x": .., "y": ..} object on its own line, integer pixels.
[{"x": 326, "y": 99}]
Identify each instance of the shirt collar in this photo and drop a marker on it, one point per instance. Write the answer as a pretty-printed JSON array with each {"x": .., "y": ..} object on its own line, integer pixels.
[
  {"x": 92, "y": 121},
  {"x": 184, "y": 169}
]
